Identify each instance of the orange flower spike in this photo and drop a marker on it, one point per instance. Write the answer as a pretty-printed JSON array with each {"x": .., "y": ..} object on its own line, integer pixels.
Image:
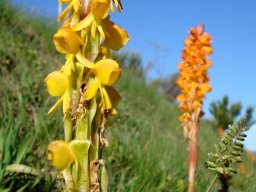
[
  {"x": 194, "y": 84},
  {"x": 193, "y": 68}
]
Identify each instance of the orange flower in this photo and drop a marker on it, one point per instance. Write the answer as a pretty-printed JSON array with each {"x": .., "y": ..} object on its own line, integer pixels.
[
  {"x": 193, "y": 80},
  {"x": 243, "y": 169},
  {"x": 251, "y": 156}
]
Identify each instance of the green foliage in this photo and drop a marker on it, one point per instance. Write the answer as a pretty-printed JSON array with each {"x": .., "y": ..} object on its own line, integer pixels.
[
  {"x": 130, "y": 61},
  {"x": 14, "y": 147},
  {"x": 227, "y": 152},
  {"x": 224, "y": 113},
  {"x": 168, "y": 86}
]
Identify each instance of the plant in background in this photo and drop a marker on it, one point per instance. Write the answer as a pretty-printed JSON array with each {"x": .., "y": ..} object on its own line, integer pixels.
[
  {"x": 194, "y": 84},
  {"x": 224, "y": 114},
  {"x": 227, "y": 152},
  {"x": 84, "y": 85}
]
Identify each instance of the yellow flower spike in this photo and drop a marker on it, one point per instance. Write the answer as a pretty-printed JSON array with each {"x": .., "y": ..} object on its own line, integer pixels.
[
  {"x": 108, "y": 71},
  {"x": 57, "y": 83},
  {"x": 115, "y": 37},
  {"x": 60, "y": 155},
  {"x": 84, "y": 87},
  {"x": 67, "y": 41},
  {"x": 91, "y": 88}
]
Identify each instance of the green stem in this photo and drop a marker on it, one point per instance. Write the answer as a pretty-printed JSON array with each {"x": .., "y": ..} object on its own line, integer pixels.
[{"x": 210, "y": 186}]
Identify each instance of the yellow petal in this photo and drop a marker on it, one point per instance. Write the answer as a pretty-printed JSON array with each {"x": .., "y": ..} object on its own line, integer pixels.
[
  {"x": 91, "y": 88},
  {"x": 84, "y": 61},
  {"x": 57, "y": 83},
  {"x": 108, "y": 71},
  {"x": 106, "y": 100},
  {"x": 67, "y": 41},
  {"x": 113, "y": 112},
  {"x": 60, "y": 155},
  {"x": 84, "y": 23},
  {"x": 76, "y": 5},
  {"x": 102, "y": 33},
  {"x": 118, "y": 5},
  {"x": 64, "y": 13},
  {"x": 55, "y": 107},
  {"x": 99, "y": 9},
  {"x": 64, "y": 1},
  {"x": 113, "y": 95},
  {"x": 116, "y": 37},
  {"x": 66, "y": 102}
]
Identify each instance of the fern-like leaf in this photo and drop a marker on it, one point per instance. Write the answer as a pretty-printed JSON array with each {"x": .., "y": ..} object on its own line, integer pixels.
[{"x": 228, "y": 151}]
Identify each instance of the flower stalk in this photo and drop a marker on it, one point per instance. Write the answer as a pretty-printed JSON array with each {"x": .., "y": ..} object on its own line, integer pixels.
[
  {"x": 84, "y": 85},
  {"x": 194, "y": 84}
]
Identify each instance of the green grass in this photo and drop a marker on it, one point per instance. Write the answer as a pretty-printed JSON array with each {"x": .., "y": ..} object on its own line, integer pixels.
[{"x": 147, "y": 150}]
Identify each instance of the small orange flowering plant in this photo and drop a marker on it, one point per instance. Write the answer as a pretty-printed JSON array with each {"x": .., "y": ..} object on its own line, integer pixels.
[
  {"x": 84, "y": 86},
  {"x": 194, "y": 84}
]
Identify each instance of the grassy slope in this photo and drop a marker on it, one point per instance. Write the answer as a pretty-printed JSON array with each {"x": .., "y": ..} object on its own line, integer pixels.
[{"x": 147, "y": 151}]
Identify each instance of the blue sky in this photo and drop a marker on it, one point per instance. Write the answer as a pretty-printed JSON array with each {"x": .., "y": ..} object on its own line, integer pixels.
[{"x": 158, "y": 30}]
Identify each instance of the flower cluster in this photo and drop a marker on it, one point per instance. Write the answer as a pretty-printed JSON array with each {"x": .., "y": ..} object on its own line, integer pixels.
[
  {"x": 84, "y": 85},
  {"x": 193, "y": 80}
]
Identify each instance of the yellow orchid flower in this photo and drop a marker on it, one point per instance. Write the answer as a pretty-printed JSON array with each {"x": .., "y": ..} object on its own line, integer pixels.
[
  {"x": 115, "y": 36},
  {"x": 98, "y": 10},
  {"x": 106, "y": 73},
  {"x": 58, "y": 85},
  {"x": 107, "y": 70},
  {"x": 60, "y": 154},
  {"x": 109, "y": 95},
  {"x": 67, "y": 41}
]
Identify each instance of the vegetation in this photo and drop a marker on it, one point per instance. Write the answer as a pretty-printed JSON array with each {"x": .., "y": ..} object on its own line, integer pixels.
[
  {"x": 147, "y": 151},
  {"x": 225, "y": 114},
  {"x": 228, "y": 152}
]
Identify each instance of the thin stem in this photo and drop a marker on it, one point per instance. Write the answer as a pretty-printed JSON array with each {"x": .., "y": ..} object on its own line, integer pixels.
[
  {"x": 192, "y": 152},
  {"x": 210, "y": 186}
]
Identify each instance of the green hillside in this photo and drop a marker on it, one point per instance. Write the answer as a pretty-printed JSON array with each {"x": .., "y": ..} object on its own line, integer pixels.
[{"x": 147, "y": 150}]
